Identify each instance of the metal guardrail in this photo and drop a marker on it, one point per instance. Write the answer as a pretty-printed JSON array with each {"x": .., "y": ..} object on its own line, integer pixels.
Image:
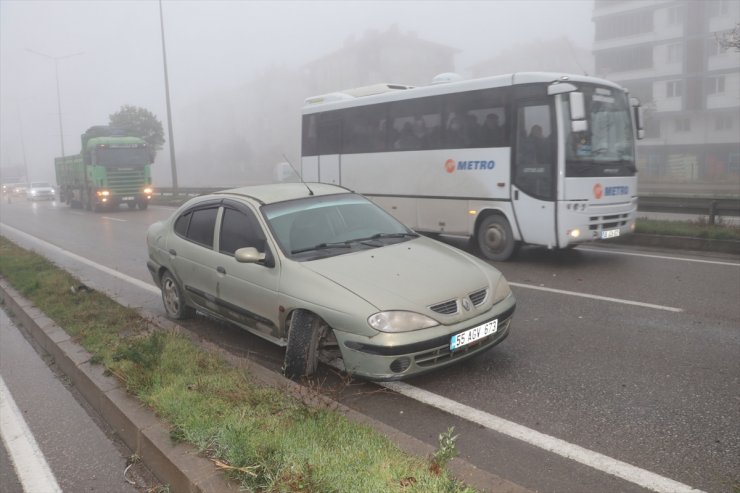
[{"x": 649, "y": 202}]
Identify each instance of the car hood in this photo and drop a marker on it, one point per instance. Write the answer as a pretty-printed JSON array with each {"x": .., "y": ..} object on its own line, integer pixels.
[{"x": 406, "y": 276}]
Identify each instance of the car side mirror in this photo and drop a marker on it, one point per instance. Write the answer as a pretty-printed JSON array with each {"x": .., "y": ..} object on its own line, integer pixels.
[{"x": 248, "y": 255}]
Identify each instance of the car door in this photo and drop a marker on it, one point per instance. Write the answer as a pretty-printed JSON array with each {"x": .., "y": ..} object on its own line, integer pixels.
[
  {"x": 192, "y": 254},
  {"x": 247, "y": 292}
]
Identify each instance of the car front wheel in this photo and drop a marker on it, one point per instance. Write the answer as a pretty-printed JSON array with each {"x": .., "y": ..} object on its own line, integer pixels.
[
  {"x": 172, "y": 298},
  {"x": 308, "y": 338}
]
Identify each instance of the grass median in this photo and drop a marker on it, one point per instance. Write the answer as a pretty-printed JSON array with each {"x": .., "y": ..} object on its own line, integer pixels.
[
  {"x": 260, "y": 436},
  {"x": 693, "y": 229}
]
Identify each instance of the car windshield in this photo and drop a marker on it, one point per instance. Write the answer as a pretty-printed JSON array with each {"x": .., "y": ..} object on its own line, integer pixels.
[
  {"x": 40, "y": 184},
  {"x": 608, "y": 146},
  {"x": 329, "y": 225}
]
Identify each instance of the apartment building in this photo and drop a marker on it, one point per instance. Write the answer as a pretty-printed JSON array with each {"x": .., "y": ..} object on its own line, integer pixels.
[{"x": 666, "y": 53}]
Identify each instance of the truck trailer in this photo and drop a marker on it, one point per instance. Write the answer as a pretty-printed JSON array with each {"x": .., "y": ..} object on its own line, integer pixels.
[{"x": 112, "y": 168}]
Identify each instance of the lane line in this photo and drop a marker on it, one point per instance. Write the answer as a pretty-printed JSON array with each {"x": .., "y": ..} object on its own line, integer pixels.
[
  {"x": 597, "y": 297},
  {"x": 595, "y": 460},
  {"x": 136, "y": 282},
  {"x": 114, "y": 219},
  {"x": 661, "y": 257},
  {"x": 29, "y": 462},
  {"x": 574, "y": 452}
]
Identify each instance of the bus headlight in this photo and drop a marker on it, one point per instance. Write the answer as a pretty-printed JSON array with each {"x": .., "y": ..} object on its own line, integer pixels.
[
  {"x": 574, "y": 233},
  {"x": 147, "y": 191},
  {"x": 400, "y": 321},
  {"x": 103, "y": 193}
]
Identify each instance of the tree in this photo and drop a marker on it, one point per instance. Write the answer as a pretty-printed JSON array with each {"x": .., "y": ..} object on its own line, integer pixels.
[
  {"x": 729, "y": 39},
  {"x": 140, "y": 122}
]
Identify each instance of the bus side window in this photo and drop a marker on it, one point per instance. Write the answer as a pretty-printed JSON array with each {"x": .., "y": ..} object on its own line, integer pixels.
[
  {"x": 415, "y": 124},
  {"x": 535, "y": 160},
  {"x": 476, "y": 119},
  {"x": 310, "y": 139}
]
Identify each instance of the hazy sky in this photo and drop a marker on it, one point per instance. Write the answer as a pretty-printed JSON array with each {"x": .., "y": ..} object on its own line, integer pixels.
[{"x": 213, "y": 46}]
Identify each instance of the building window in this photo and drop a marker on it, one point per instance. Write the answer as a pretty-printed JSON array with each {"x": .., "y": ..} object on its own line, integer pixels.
[
  {"x": 675, "y": 53},
  {"x": 632, "y": 58},
  {"x": 719, "y": 7},
  {"x": 675, "y": 16},
  {"x": 683, "y": 124},
  {"x": 723, "y": 122},
  {"x": 623, "y": 25},
  {"x": 716, "y": 85},
  {"x": 714, "y": 48},
  {"x": 673, "y": 88}
]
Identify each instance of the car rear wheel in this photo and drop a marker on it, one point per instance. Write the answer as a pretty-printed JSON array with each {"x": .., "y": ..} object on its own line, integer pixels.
[
  {"x": 309, "y": 340},
  {"x": 172, "y": 298}
]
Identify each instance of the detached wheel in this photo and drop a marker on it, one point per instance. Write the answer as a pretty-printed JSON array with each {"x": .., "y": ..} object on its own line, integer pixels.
[
  {"x": 308, "y": 339},
  {"x": 494, "y": 238},
  {"x": 172, "y": 298}
]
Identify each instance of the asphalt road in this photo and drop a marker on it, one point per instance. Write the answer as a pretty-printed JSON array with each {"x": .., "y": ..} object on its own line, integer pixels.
[{"x": 630, "y": 355}]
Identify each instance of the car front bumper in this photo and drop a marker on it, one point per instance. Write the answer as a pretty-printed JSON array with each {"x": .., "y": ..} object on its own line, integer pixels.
[{"x": 364, "y": 357}]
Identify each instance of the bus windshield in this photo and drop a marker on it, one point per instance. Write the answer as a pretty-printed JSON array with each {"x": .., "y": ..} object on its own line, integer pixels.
[
  {"x": 607, "y": 147},
  {"x": 115, "y": 157}
]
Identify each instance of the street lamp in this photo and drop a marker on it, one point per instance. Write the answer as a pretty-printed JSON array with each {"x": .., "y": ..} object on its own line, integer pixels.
[
  {"x": 59, "y": 97},
  {"x": 173, "y": 164}
]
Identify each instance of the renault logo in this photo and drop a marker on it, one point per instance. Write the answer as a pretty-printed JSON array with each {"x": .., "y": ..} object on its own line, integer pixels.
[{"x": 466, "y": 304}]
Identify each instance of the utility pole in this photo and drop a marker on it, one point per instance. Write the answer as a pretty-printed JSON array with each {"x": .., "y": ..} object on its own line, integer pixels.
[{"x": 173, "y": 164}]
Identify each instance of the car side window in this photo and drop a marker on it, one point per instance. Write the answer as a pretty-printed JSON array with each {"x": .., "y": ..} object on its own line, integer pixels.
[
  {"x": 182, "y": 223},
  {"x": 240, "y": 229},
  {"x": 202, "y": 225}
]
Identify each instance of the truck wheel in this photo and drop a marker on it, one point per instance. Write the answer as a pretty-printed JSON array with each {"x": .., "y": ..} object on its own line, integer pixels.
[
  {"x": 494, "y": 238},
  {"x": 143, "y": 204},
  {"x": 306, "y": 338},
  {"x": 172, "y": 298},
  {"x": 131, "y": 205}
]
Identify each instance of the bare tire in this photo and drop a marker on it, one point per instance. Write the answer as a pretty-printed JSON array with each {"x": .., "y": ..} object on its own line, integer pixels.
[
  {"x": 494, "y": 238},
  {"x": 306, "y": 337},
  {"x": 172, "y": 298}
]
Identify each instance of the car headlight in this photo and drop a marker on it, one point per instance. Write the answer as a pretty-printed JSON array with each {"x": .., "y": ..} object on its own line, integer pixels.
[
  {"x": 400, "y": 321},
  {"x": 502, "y": 290}
]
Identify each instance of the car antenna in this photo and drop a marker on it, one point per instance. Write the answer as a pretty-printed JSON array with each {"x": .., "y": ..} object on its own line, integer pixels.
[{"x": 310, "y": 192}]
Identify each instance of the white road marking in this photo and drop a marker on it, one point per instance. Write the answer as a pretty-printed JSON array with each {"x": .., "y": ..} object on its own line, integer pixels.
[
  {"x": 103, "y": 268},
  {"x": 30, "y": 465},
  {"x": 592, "y": 459},
  {"x": 661, "y": 257},
  {"x": 114, "y": 219},
  {"x": 597, "y": 297},
  {"x": 628, "y": 472}
]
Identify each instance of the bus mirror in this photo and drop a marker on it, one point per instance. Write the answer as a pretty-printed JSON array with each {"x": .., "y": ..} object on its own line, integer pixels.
[
  {"x": 578, "y": 126},
  {"x": 577, "y": 106},
  {"x": 637, "y": 112}
]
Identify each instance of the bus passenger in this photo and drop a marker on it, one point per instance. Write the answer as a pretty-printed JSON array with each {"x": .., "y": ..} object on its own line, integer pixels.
[
  {"x": 537, "y": 146},
  {"x": 492, "y": 134}
]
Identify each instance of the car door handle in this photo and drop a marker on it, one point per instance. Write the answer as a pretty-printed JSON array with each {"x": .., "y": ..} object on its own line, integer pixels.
[
  {"x": 221, "y": 270},
  {"x": 173, "y": 252}
]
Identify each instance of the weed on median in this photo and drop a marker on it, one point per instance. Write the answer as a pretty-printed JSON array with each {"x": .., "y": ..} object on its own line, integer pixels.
[
  {"x": 694, "y": 229},
  {"x": 259, "y": 436}
]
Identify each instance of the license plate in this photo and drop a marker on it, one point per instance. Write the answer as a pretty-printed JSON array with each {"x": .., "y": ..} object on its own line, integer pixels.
[
  {"x": 128, "y": 198},
  {"x": 474, "y": 334},
  {"x": 609, "y": 233}
]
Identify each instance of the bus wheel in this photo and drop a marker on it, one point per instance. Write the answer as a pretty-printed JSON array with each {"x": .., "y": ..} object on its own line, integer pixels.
[
  {"x": 495, "y": 239},
  {"x": 143, "y": 204},
  {"x": 131, "y": 205},
  {"x": 307, "y": 339}
]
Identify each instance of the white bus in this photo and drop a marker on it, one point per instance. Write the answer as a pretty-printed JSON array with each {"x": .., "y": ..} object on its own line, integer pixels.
[{"x": 536, "y": 158}]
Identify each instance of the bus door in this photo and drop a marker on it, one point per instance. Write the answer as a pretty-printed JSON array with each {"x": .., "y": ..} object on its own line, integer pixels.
[
  {"x": 330, "y": 143},
  {"x": 534, "y": 172}
]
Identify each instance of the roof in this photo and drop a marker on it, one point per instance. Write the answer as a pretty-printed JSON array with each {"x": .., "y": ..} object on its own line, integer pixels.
[{"x": 280, "y": 192}]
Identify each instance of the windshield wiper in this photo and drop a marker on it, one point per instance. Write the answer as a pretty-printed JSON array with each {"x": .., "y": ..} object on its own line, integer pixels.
[
  {"x": 321, "y": 246},
  {"x": 382, "y": 236}
]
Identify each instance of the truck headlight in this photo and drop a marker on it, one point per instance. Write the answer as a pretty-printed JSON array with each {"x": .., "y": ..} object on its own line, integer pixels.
[
  {"x": 400, "y": 321},
  {"x": 148, "y": 191}
]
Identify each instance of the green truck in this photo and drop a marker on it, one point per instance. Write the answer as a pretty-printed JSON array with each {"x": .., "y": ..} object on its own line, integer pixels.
[{"x": 112, "y": 168}]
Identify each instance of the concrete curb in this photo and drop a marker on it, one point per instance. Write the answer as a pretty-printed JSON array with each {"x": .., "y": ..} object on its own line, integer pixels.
[{"x": 179, "y": 465}]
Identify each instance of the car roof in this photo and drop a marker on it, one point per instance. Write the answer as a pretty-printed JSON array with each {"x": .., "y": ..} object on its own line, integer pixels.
[{"x": 280, "y": 192}]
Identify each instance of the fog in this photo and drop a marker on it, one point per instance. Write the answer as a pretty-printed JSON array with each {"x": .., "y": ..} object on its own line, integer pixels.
[{"x": 228, "y": 62}]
